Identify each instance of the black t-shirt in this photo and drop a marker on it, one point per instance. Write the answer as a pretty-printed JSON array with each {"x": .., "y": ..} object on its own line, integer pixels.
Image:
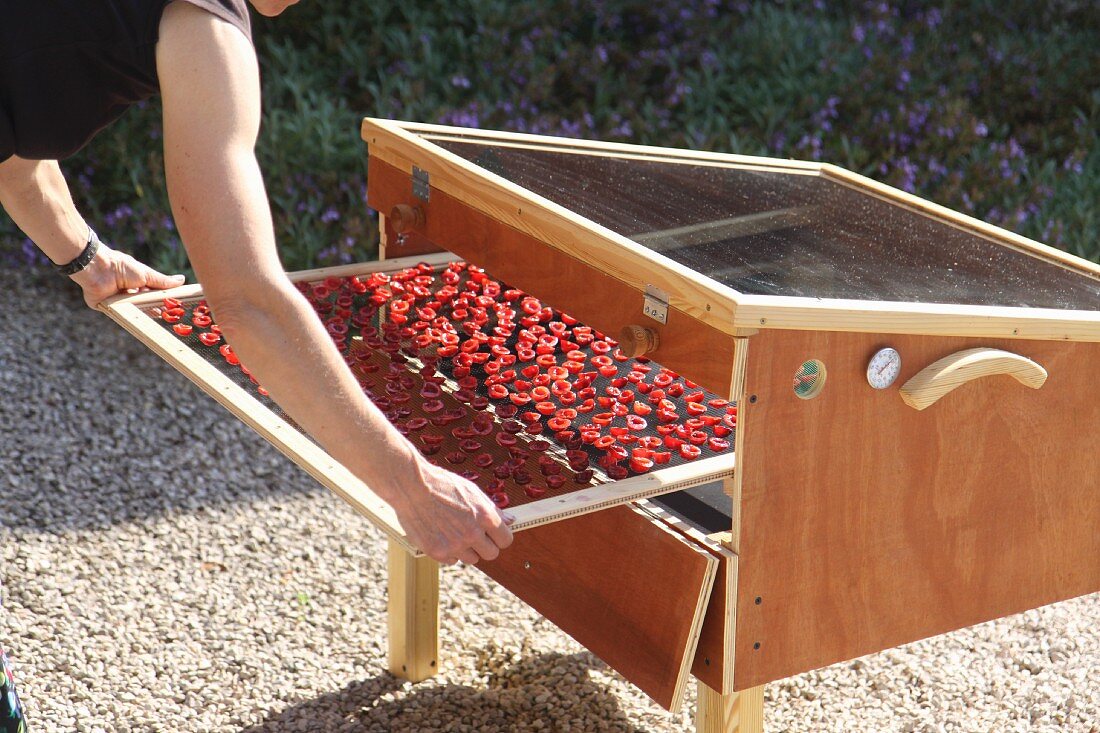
[{"x": 69, "y": 68}]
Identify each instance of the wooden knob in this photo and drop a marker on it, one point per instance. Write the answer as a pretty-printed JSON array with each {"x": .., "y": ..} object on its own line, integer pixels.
[
  {"x": 637, "y": 341},
  {"x": 405, "y": 218}
]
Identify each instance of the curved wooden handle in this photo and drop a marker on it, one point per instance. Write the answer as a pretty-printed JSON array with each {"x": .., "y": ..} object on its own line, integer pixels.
[{"x": 936, "y": 380}]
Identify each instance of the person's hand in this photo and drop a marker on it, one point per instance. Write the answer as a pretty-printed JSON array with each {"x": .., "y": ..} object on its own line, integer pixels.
[
  {"x": 453, "y": 519},
  {"x": 113, "y": 272}
]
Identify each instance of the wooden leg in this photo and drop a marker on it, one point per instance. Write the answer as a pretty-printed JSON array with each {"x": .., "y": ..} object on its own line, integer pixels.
[
  {"x": 737, "y": 712},
  {"x": 413, "y": 615}
]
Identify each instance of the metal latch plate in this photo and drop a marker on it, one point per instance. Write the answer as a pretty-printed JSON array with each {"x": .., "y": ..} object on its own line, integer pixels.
[
  {"x": 655, "y": 304},
  {"x": 420, "y": 184}
]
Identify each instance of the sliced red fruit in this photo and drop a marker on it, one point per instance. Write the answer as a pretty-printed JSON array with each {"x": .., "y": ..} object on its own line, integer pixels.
[
  {"x": 617, "y": 472},
  {"x": 639, "y": 464},
  {"x": 535, "y": 492},
  {"x": 690, "y": 452},
  {"x": 718, "y": 444},
  {"x": 209, "y": 338},
  {"x": 557, "y": 424},
  {"x": 500, "y": 499},
  {"x": 182, "y": 329}
]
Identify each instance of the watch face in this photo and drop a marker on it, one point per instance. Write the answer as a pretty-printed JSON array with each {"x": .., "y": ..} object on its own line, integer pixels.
[{"x": 884, "y": 368}]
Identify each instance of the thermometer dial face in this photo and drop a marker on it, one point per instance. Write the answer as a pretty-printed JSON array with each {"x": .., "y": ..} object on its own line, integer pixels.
[{"x": 884, "y": 368}]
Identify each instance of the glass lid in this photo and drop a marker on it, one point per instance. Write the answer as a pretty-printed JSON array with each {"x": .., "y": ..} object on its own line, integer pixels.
[{"x": 775, "y": 231}]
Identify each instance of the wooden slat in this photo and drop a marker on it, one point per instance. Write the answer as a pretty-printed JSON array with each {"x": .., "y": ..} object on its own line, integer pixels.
[
  {"x": 872, "y": 316},
  {"x": 595, "y": 498},
  {"x": 412, "y": 614},
  {"x": 688, "y": 346},
  {"x": 866, "y": 524},
  {"x": 194, "y": 290},
  {"x": 624, "y": 586},
  {"x": 619, "y": 149},
  {"x": 736, "y": 712},
  {"x": 764, "y": 165}
]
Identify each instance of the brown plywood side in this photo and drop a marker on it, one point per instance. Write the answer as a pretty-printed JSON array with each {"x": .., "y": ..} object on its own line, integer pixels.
[
  {"x": 866, "y": 524},
  {"x": 698, "y": 351},
  {"x": 622, "y": 585}
]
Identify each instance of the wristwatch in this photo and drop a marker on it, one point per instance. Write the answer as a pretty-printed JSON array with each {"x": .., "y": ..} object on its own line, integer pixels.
[{"x": 84, "y": 258}]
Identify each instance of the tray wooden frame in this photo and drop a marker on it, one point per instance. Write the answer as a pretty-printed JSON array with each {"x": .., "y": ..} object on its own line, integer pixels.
[
  {"x": 403, "y": 145},
  {"x": 127, "y": 311}
]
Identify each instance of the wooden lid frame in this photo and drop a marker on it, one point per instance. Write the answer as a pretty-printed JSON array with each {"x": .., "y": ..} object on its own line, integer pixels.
[{"x": 405, "y": 145}]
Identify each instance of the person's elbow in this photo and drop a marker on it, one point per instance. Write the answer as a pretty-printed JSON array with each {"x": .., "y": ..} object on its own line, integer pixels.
[{"x": 249, "y": 303}]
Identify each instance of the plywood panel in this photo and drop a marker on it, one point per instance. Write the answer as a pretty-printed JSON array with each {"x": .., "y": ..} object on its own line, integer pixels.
[
  {"x": 713, "y": 663},
  {"x": 622, "y": 585},
  {"x": 581, "y": 288},
  {"x": 866, "y": 524}
]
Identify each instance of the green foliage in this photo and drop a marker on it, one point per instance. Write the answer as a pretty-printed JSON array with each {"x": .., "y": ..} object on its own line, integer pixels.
[{"x": 988, "y": 106}]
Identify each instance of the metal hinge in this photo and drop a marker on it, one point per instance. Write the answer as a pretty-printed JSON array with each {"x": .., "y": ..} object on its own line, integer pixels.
[
  {"x": 421, "y": 188},
  {"x": 656, "y": 304}
]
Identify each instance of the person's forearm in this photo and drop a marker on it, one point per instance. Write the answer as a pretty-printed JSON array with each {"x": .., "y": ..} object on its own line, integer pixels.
[
  {"x": 35, "y": 195},
  {"x": 285, "y": 346}
]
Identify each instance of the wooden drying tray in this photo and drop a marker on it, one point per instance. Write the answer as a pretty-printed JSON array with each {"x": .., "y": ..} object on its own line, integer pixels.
[{"x": 130, "y": 311}]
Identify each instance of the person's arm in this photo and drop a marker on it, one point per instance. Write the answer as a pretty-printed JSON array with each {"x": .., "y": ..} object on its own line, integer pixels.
[
  {"x": 210, "y": 87},
  {"x": 35, "y": 195}
]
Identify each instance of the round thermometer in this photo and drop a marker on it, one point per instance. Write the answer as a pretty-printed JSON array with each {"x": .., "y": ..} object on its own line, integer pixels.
[{"x": 884, "y": 368}]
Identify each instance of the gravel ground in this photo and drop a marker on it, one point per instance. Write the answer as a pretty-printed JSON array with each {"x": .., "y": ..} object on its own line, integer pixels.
[{"x": 166, "y": 570}]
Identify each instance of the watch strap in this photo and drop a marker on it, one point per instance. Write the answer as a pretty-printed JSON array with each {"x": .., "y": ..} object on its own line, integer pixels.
[{"x": 84, "y": 258}]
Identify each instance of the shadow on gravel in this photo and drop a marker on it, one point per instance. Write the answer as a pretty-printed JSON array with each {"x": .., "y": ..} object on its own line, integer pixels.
[{"x": 550, "y": 692}]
